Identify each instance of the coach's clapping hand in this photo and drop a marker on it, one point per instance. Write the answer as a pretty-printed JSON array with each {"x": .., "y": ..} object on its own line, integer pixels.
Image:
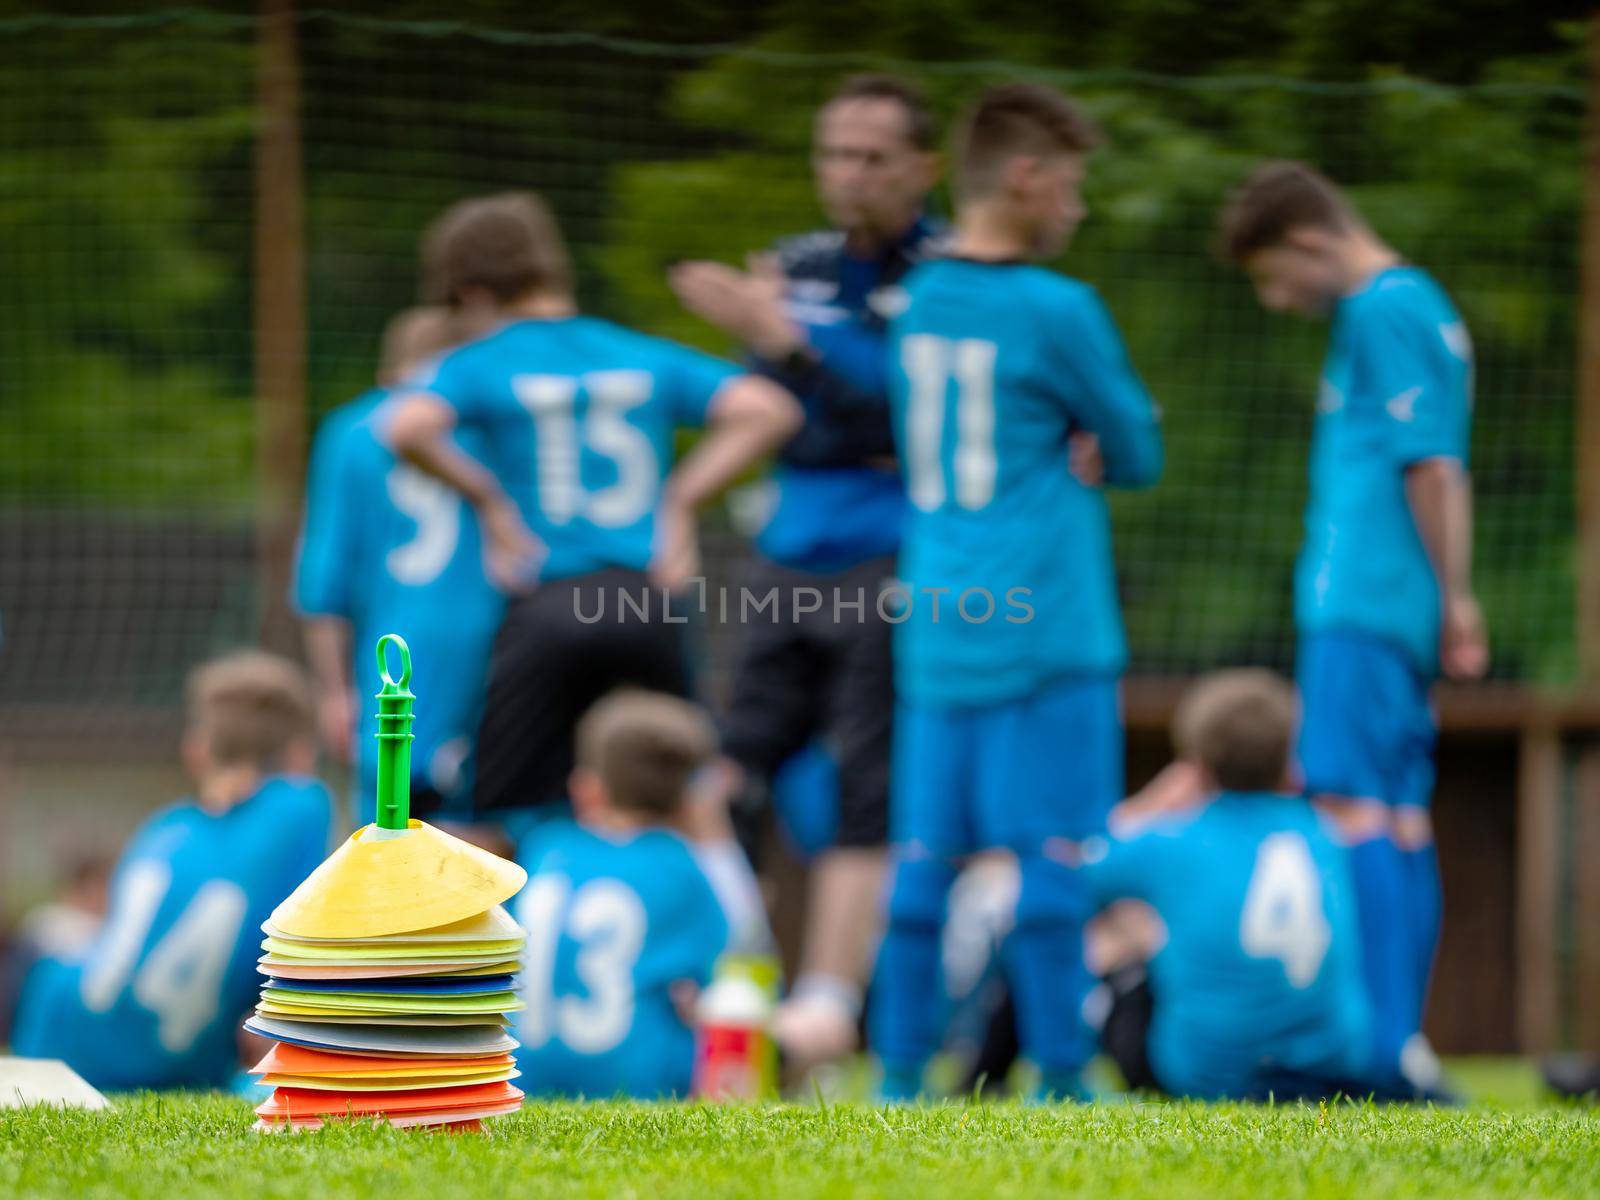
[
  {"x": 512, "y": 555},
  {"x": 1463, "y": 640},
  {"x": 747, "y": 304}
]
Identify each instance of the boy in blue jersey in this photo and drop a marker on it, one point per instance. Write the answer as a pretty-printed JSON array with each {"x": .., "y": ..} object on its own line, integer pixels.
[
  {"x": 1257, "y": 989},
  {"x": 1383, "y": 590},
  {"x": 575, "y": 489},
  {"x": 385, "y": 547},
  {"x": 156, "y": 999},
  {"x": 814, "y": 317},
  {"x": 1010, "y": 643},
  {"x": 626, "y": 916}
]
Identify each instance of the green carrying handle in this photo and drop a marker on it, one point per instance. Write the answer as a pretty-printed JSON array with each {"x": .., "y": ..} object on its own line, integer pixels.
[{"x": 394, "y": 737}]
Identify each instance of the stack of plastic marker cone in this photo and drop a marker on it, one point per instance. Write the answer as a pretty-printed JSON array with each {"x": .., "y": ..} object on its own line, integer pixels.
[{"x": 390, "y": 969}]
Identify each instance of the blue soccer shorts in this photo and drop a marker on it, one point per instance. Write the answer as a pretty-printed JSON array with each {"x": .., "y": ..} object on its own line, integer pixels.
[
  {"x": 1012, "y": 775},
  {"x": 1367, "y": 726}
]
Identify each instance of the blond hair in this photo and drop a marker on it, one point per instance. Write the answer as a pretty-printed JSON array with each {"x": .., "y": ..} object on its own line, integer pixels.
[
  {"x": 1238, "y": 725},
  {"x": 414, "y": 335},
  {"x": 249, "y": 707}
]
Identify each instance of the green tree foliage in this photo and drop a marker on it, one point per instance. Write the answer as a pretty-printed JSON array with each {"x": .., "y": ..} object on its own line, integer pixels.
[{"x": 124, "y": 193}]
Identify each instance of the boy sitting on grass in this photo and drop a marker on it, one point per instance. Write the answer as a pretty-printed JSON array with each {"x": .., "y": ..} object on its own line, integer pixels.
[
  {"x": 1258, "y": 989},
  {"x": 629, "y": 906},
  {"x": 155, "y": 1000}
]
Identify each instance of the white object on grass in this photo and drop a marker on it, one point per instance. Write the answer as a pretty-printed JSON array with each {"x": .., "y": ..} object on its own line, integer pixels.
[{"x": 25, "y": 1082}]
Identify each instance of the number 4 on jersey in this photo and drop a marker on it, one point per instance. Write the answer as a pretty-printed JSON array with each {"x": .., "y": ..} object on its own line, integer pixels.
[
  {"x": 1283, "y": 915},
  {"x": 180, "y": 981}
]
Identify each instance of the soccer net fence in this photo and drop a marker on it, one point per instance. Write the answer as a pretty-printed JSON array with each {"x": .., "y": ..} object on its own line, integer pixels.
[{"x": 128, "y": 479}]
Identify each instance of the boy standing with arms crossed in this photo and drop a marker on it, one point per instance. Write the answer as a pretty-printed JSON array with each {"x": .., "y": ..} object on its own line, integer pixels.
[
  {"x": 1383, "y": 590},
  {"x": 1004, "y": 377}
]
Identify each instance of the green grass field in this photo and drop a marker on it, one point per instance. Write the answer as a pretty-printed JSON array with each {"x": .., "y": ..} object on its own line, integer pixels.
[{"x": 1508, "y": 1142}]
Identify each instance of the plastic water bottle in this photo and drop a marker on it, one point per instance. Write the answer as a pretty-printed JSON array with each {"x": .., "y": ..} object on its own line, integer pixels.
[{"x": 734, "y": 1056}]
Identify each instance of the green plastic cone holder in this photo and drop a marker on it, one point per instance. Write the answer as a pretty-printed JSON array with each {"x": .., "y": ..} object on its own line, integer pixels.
[{"x": 394, "y": 737}]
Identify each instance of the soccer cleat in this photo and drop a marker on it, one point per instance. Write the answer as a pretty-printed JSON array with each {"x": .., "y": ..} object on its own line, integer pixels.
[
  {"x": 1058, "y": 1087},
  {"x": 1422, "y": 1075},
  {"x": 900, "y": 1085},
  {"x": 813, "y": 1028},
  {"x": 1572, "y": 1075}
]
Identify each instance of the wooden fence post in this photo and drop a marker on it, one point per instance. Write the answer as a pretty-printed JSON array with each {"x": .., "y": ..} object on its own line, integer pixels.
[{"x": 280, "y": 320}]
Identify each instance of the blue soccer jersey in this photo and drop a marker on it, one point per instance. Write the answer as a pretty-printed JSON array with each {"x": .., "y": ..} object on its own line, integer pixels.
[
  {"x": 577, "y": 418},
  {"x": 1396, "y": 389},
  {"x": 1259, "y": 983},
  {"x": 613, "y": 922},
  {"x": 393, "y": 550},
  {"x": 157, "y": 999},
  {"x": 1007, "y": 555}
]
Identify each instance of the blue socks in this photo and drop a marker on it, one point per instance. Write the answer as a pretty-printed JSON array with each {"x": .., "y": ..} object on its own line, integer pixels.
[
  {"x": 1045, "y": 968},
  {"x": 900, "y": 1084},
  {"x": 1388, "y": 940},
  {"x": 1425, "y": 905},
  {"x": 906, "y": 1015}
]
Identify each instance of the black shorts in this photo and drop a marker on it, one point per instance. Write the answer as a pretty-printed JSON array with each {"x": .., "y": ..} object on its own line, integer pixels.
[
  {"x": 427, "y": 802},
  {"x": 559, "y": 650},
  {"x": 824, "y": 673},
  {"x": 1125, "y": 1036},
  {"x": 1126, "y": 1004}
]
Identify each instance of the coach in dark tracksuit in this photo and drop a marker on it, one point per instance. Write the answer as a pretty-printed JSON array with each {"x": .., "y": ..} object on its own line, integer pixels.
[{"x": 813, "y": 316}]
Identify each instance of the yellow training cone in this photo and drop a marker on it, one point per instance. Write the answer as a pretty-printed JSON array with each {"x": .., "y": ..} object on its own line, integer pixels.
[
  {"x": 495, "y": 925},
  {"x": 383, "y": 882}
]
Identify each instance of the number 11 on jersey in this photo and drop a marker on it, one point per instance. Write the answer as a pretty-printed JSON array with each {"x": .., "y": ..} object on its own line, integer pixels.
[{"x": 930, "y": 363}]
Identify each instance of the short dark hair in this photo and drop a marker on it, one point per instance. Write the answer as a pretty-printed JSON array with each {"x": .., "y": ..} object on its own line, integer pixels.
[
  {"x": 508, "y": 244},
  {"x": 1013, "y": 119},
  {"x": 1279, "y": 197},
  {"x": 1238, "y": 725},
  {"x": 644, "y": 746},
  {"x": 921, "y": 129}
]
